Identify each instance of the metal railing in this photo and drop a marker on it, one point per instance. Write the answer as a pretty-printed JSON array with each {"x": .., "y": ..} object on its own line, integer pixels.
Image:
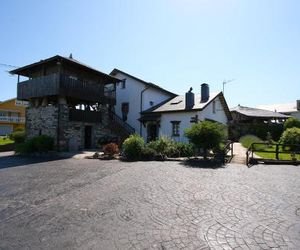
[
  {"x": 272, "y": 153},
  {"x": 13, "y": 119},
  {"x": 118, "y": 123}
]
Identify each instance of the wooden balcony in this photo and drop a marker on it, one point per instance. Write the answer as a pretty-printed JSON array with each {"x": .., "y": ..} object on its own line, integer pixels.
[
  {"x": 85, "y": 116},
  {"x": 63, "y": 85}
]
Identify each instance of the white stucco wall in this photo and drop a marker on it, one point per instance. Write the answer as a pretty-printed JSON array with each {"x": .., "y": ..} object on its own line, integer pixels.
[
  {"x": 132, "y": 94},
  {"x": 185, "y": 118}
]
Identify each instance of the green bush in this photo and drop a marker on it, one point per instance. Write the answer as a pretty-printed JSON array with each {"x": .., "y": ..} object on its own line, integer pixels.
[
  {"x": 206, "y": 135},
  {"x": 132, "y": 147},
  {"x": 291, "y": 136},
  {"x": 39, "y": 144},
  {"x": 170, "y": 148},
  {"x": 185, "y": 149},
  {"x": 291, "y": 123},
  {"x": 161, "y": 145},
  {"x": 148, "y": 154},
  {"x": 18, "y": 136}
]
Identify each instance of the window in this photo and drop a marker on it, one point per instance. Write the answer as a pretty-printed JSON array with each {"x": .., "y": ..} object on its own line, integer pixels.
[
  {"x": 125, "y": 110},
  {"x": 123, "y": 84},
  {"x": 175, "y": 128},
  {"x": 214, "y": 107}
]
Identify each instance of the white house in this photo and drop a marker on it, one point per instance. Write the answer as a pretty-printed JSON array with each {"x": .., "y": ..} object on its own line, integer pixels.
[
  {"x": 292, "y": 109},
  {"x": 174, "y": 116},
  {"x": 153, "y": 111},
  {"x": 134, "y": 96}
]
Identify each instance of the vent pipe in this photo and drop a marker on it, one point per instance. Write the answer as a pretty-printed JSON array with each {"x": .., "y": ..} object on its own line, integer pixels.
[{"x": 204, "y": 92}]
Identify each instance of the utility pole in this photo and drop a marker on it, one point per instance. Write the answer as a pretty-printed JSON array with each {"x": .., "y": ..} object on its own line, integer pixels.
[{"x": 225, "y": 82}]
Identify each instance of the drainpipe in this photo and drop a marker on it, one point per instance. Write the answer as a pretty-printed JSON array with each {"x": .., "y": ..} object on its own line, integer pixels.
[{"x": 141, "y": 107}]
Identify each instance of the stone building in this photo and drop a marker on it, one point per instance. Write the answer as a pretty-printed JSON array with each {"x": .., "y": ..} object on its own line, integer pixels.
[{"x": 71, "y": 102}]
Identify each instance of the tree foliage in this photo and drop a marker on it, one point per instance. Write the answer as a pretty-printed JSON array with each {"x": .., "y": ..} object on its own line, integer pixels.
[
  {"x": 291, "y": 123},
  {"x": 291, "y": 136},
  {"x": 206, "y": 135}
]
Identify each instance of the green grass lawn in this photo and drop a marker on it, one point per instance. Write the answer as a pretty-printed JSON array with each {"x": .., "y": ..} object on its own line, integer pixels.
[
  {"x": 5, "y": 141},
  {"x": 247, "y": 140}
]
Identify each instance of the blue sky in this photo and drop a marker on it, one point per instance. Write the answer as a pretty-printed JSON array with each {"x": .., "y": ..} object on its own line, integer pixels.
[{"x": 174, "y": 43}]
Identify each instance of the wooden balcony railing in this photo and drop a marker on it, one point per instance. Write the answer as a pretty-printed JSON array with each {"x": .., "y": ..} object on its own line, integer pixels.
[
  {"x": 85, "y": 116},
  {"x": 63, "y": 85}
]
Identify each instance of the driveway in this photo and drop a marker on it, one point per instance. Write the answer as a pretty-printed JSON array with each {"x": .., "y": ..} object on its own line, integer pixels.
[{"x": 92, "y": 204}]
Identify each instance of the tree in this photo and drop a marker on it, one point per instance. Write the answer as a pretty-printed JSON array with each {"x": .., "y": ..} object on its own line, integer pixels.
[
  {"x": 206, "y": 135},
  {"x": 291, "y": 136},
  {"x": 291, "y": 123}
]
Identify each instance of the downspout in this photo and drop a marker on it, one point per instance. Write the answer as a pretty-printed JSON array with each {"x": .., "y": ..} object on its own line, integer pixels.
[{"x": 141, "y": 107}]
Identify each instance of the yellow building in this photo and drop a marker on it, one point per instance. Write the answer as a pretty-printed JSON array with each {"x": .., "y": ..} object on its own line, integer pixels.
[{"x": 12, "y": 115}]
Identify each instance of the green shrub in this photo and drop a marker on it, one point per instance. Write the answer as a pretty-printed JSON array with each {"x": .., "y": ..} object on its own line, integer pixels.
[
  {"x": 111, "y": 149},
  {"x": 148, "y": 154},
  {"x": 18, "y": 136},
  {"x": 132, "y": 147},
  {"x": 161, "y": 145},
  {"x": 206, "y": 135},
  {"x": 170, "y": 148},
  {"x": 185, "y": 149},
  {"x": 291, "y": 136},
  {"x": 291, "y": 123},
  {"x": 39, "y": 144}
]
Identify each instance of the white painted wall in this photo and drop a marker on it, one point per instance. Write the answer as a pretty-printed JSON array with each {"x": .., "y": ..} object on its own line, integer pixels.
[
  {"x": 185, "y": 118},
  {"x": 132, "y": 95},
  {"x": 219, "y": 116}
]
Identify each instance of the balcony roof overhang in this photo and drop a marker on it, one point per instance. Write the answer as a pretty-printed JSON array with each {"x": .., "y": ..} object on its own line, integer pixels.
[{"x": 28, "y": 69}]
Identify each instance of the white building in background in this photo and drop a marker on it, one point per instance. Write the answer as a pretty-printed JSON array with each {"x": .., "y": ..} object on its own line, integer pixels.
[
  {"x": 173, "y": 117},
  {"x": 134, "y": 96},
  {"x": 292, "y": 109}
]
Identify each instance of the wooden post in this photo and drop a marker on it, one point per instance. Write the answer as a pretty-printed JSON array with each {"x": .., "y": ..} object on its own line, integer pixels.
[{"x": 277, "y": 147}]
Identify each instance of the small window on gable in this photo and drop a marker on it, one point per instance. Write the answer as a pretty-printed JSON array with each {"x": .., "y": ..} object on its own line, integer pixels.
[
  {"x": 175, "y": 128},
  {"x": 214, "y": 107},
  {"x": 123, "y": 84}
]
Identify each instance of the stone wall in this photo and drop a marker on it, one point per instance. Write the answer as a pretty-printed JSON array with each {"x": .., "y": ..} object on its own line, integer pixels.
[
  {"x": 54, "y": 120},
  {"x": 41, "y": 121}
]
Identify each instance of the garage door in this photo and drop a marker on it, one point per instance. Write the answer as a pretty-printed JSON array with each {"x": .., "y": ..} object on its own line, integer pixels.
[{"x": 6, "y": 129}]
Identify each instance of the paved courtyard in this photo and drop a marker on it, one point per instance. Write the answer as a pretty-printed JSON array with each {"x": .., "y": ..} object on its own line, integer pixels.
[{"x": 92, "y": 204}]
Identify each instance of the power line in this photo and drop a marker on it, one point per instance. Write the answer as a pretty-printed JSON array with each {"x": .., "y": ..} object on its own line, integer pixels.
[{"x": 8, "y": 65}]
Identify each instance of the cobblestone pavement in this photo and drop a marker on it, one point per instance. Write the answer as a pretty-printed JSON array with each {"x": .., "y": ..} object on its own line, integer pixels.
[{"x": 91, "y": 204}]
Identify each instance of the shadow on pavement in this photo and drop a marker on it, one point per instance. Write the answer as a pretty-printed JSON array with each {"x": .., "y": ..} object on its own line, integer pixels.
[
  {"x": 8, "y": 161},
  {"x": 201, "y": 163}
]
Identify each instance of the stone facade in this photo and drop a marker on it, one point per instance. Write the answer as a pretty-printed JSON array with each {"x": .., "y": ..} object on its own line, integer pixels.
[
  {"x": 41, "y": 121},
  {"x": 68, "y": 135}
]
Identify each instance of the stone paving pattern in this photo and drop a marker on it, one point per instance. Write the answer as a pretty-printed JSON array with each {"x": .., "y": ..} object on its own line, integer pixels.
[{"x": 92, "y": 204}]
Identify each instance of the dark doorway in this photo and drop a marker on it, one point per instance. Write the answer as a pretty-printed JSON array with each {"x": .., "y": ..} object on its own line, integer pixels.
[
  {"x": 88, "y": 137},
  {"x": 151, "y": 132}
]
